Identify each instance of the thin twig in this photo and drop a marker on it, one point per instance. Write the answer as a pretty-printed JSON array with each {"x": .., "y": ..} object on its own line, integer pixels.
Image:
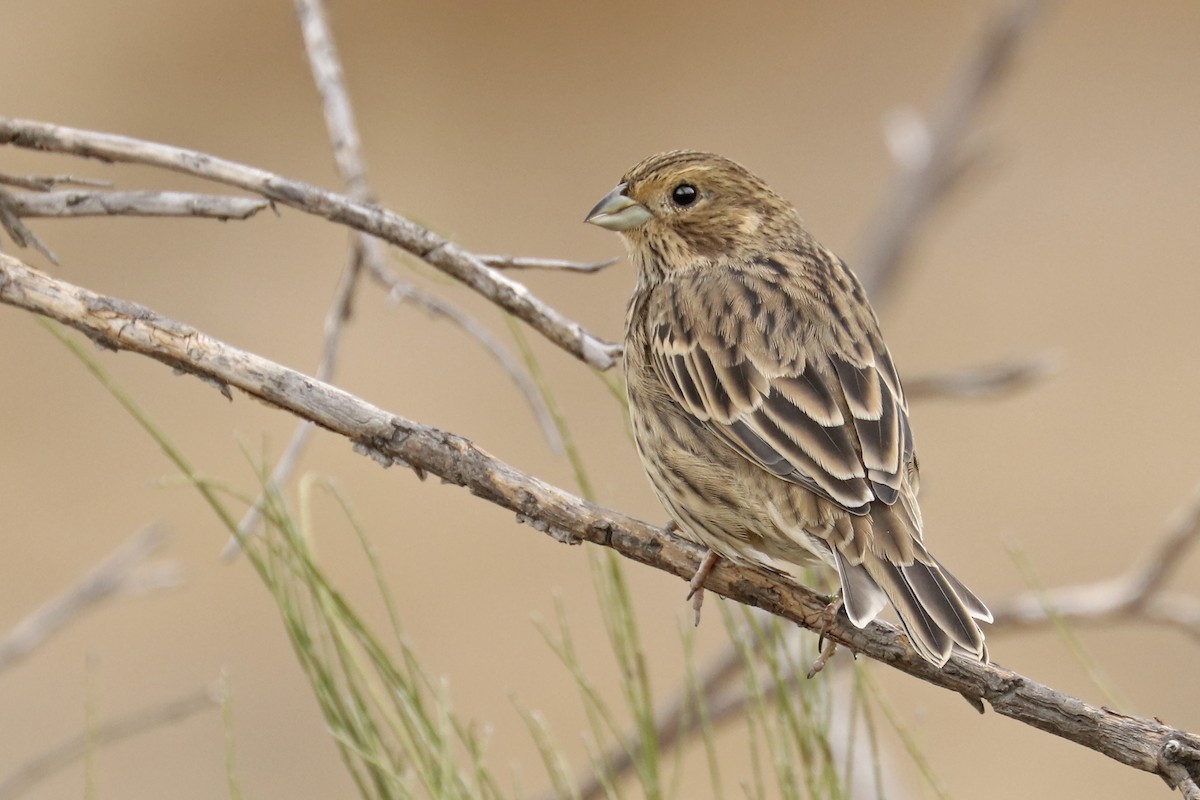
[
  {"x": 553, "y": 264},
  {"x": 17, "y": 231},
  {"x": 32, "y": 772},
  {"x": 76, "y": 203},
  {"x": 347, "y": 155},
  {"x": 390, "y": 440},
  {"x": 122, "y": 571},
  {"x": 404, "y": 291},
  {"x": 368, "y": 251},
  {"x": 1136, "y": 595},
  {"x": 343, "y": 132},
  {"x": 335, "y": 316},
  {"x": 441, "y": 253},
  {"x": 45, "y": 183},
  {"x": 985, "y": 380},
  {"x": 928, "y": 161}
]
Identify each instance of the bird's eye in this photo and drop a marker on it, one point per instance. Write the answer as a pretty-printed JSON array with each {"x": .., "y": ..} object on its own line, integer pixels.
[{"x": 684, "y": 195}]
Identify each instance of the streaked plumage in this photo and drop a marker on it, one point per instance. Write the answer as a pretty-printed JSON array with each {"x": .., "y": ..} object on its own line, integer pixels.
[{"x": 765, "y": 405}]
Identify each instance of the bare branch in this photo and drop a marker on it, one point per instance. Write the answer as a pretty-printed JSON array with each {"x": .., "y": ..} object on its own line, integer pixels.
[
  {"x": 134, "y": 204},
  {"x": 343, "y": 133},
  {"x": 927, "y": 153},
  {"x": 335, "y": 316},
  {"x": 402, "y": 291},
  {"x": 36, "y": 770},
  {"x": 17, "y": 231},
  {"x": 521, "y": 262},
  {"x": 368, "y": 251},
  {"x": 1171, "y": 549},
  {"x": 347, "y": 150},
  {"x": 44, "y": 183},
  {"x": 1138, "y": 594},
  {"x": 1142, "y": 743},
  {"x": 121, "y": 571},
  {"x": 986, "y": 380},
  {"x": 435, "y": 250},
  {"x": 335, "y": 99}
]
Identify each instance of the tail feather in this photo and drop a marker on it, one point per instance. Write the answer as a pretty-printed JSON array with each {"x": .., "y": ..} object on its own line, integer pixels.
[
  {"x": 938, "y": 597},
  {"x": 938, "y": 613},
  {"x": 976, "y": 606},
  {"x": 861, "y": 596}
]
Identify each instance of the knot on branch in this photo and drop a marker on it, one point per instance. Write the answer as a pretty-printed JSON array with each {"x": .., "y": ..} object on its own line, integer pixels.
[
  {"x": 1179, "y": 762},
  {"x": 602, "y": 532}
]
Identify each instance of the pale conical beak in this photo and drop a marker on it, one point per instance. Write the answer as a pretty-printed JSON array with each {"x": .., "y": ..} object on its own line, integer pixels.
[{"x": 617, "y": 212}]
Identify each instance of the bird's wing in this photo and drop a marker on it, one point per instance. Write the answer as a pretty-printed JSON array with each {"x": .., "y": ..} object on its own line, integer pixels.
[{"x": 737, "y": 353}]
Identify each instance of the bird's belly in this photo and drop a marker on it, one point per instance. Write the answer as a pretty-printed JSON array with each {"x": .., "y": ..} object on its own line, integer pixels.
[{"x": 720, "y": 499}]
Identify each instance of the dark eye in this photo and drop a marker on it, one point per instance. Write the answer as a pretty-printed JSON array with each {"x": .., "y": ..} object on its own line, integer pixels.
[{"x": 684, "y": 195}]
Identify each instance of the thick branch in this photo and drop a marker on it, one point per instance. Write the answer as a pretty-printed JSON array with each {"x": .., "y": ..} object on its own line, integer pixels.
[
  {"x": 1145, "y": 744},
  {"x": 387, "y": 225}
]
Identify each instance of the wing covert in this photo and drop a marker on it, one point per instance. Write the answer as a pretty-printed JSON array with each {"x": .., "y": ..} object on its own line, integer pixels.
[{"x": 836, "y": 425}]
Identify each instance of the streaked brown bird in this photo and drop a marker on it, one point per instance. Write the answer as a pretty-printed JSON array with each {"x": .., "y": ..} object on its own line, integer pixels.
[{"x": 765, "y": 405}]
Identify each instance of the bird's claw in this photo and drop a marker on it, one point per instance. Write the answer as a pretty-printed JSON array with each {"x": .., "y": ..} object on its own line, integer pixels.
[
  {"x": 827, "y": 648},
  {"x": 696, "y": 584}
]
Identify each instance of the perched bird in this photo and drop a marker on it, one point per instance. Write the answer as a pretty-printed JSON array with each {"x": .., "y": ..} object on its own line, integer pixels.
[{"x": 765, "y": 405}]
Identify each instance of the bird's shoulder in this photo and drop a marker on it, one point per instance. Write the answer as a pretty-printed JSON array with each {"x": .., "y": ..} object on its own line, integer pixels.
[{"x": 778, "y": 308}]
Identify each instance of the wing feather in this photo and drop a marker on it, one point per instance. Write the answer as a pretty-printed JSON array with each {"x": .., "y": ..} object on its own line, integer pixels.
[{"x": 836, "y": 425}]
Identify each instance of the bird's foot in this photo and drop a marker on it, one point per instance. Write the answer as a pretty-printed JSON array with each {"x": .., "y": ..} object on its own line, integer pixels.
[
  {"x": 830, "y": 613},
  {"x": 828, "y": 648},
  {"x": 696, "y": 584},
  {"x": 827, "y": 651}
]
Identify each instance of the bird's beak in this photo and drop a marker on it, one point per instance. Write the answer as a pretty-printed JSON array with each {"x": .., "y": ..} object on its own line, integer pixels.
[{"x": 617, "y": 212}]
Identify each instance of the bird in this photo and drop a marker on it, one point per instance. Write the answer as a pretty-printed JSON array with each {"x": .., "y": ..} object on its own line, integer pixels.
[{"x": 765, "y": 405}]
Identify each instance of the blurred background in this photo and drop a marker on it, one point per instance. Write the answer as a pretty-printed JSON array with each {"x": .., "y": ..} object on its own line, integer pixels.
[{"x": 499, "y": 125}]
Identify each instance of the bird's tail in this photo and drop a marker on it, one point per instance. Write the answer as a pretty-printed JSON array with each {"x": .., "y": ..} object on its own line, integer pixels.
[{"x": 938, "y": 612}]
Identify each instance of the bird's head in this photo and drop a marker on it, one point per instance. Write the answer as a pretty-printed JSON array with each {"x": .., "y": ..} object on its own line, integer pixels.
[{"x": 685, "y": 210}]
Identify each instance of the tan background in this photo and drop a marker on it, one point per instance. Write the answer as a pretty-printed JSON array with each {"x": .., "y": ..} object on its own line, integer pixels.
[{"x": 500, "y": 126}]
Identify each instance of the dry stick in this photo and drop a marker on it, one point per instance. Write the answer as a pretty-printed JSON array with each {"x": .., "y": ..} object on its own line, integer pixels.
[
  {"x": 117, "y": 573},
  {"x": 347, "y": 153},
  {"x": 1135, "y": 595},
  {"x": 447, "y": 256},
  {"x": 335, "y": 316},
  {"x": 985, "y": 380},
  {"x": 343, "y": 133},
  {"x": 36, "y": 770},
  {"x": 10, "y": 220},
  {"x": 133, "y": 204},
  {"x": 44, "y": 183},
  {"x": 1142, "y": 743},
  {"x": 925, "y": 175},
  {"x": 403, "y": 291},
  {"x": 553, "y": 264}
]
